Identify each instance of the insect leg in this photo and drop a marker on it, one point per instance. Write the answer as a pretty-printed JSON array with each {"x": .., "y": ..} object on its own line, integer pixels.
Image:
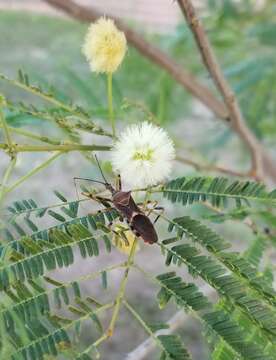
[
  {"x": 153, "y": 206},
  {"x": 161, "y": 212},
  {"x": 118, "y": 183},
  {"x": 104, "y": 201},
  {"x": 148, "y": 202}
]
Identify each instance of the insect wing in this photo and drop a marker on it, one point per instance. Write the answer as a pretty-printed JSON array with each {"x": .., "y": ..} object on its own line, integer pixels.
[
  {"x": 124, "y": 202},
  {"x": 142, "y": 224}
]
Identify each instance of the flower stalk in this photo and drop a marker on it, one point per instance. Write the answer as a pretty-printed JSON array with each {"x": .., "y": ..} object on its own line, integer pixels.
[
  {"x": 110, "y": 103},
  {"x": 121, "y": 292}
]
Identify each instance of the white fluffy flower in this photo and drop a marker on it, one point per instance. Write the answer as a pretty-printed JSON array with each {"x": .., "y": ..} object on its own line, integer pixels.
[{"x": 143, "y": 155}]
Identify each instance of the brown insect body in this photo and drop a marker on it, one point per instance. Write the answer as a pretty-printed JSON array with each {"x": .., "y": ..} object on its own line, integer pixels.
[{"x": 139, "y": 222}]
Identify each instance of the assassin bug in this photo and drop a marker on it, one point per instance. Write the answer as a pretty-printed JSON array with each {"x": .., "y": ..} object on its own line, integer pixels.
[{"x": 123, "y": 202}]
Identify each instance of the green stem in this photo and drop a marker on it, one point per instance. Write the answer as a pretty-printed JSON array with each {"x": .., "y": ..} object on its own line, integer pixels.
[
  {"x": 119, "y": 298},
  {"x": 47, "y": 97},
  {"x": 61, "y": 148},
  {"x": 31, "y": 135},
  {"x": 59, "y": 104},
  {"x": 144, "y": 324},
  {"x": 6, "y": 178},
  {"x": 33, "y": 172},
  {"x": 122, "y": 288},
  {"x": 6, "y": 130},
  {"x": 110, "y": 103}
]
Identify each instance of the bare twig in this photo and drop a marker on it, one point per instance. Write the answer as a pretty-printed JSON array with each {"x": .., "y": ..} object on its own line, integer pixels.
[
  {"x": 150, "y": 51},
  {"x": 211, "y": 64},
  {"x": 260, "y": 158},
  {"x": 210, "y": 167}
]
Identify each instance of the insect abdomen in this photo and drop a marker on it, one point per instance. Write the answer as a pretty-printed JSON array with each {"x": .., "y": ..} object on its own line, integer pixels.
[{"x": 143, "y": 226}]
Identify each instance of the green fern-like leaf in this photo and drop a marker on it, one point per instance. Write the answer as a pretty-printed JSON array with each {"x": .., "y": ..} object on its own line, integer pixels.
[
  {"x": 216, "y": 245},
  {"x": 174, "y": 349},
  {"x": 226, "y": 284},
  {"x": 216, "y": 190},
  {"x": 50, "y": 253},
  {"x": 219, "y": 322},
  {"x": 23, "y": 82}
]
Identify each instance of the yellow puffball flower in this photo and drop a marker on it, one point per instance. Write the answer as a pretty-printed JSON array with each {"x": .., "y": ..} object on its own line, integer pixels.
[
  {"x": 123, "y": 239},
  {"x": 104, "y": 46}
]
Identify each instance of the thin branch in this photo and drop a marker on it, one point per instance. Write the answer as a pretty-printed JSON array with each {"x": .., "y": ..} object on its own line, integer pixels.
[
  {"x": 59, "y": 120},
  {"x": 5, "y": 129},
  {"x": 210, "y": 167},
  {"x": 214, "y": 69},
  {"x": 121, "y": 293},
  {"x": 33, "y": 172},
  {"x": 43, "y": 95},
  {"x": 153, "y": 53},
  {"x": 86, "y": 121},
  {"x": 143, "y": 350},
  {"x": 62, "y": 148},
  {"x": 119, "y": 298},
  {"x": 153, "y": 336},
  {"x": 187, "y": 80},
  {"x": 34, "y": 136},
  {"x": 5, "y": 179}
]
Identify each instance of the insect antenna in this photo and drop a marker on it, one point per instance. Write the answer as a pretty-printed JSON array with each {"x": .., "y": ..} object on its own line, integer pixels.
[
  {"x": 101, "y": 169},
  {"x": 92, "y": 180},
  {"x": 105, "y": 183},
  {"x": 86, "y": 179}
]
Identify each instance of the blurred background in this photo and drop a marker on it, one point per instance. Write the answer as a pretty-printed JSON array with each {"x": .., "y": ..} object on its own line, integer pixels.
[{"x": 47, "y": 45}]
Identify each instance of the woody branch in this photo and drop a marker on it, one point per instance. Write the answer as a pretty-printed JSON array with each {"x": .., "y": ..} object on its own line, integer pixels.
[
  {"x": 262, "y": 164},
  {"x": 235, "y": 115}
]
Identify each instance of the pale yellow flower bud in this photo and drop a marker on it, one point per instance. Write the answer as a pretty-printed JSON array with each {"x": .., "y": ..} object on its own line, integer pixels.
[
  {"x": 104, "y": 46},
  {"x": 3, "y": 101},
  {"x": 123, "y": 239}
]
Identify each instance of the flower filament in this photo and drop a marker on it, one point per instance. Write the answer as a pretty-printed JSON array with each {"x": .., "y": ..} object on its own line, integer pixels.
[{"x": 144, "y": 155}]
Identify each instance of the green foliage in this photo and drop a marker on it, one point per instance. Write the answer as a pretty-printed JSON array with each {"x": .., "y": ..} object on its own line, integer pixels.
[
  {"x": 216, "y": 245},
  {"x": 29, "y": 257},
  {"x": 173, "y": 348},
  {"x": 219, "y": 322},
  {"x": 217, "y": 191},
  {"x": 42, "y": 316},
  {"x": 32, "y": 252}
]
